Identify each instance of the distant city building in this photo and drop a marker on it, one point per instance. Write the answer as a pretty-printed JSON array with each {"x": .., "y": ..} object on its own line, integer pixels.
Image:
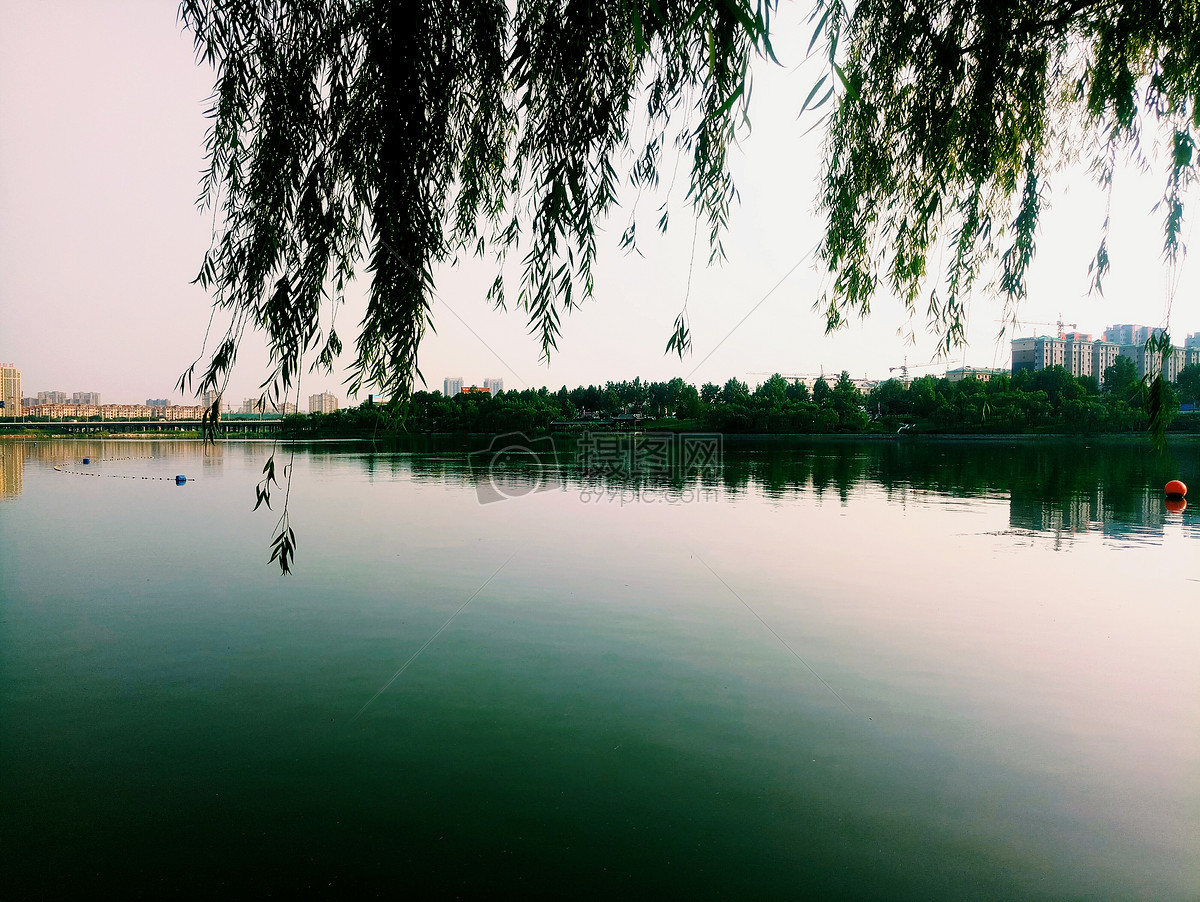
[
  {"x": 1129, "y": 334},
  {"x": 1037, "y": 353},
  {"x": 1081, "y": 356},
  {"x": 257, "y": 405},
  {"x": 452, "y": 386},
  {"x": 157, "y": 402},
  {"x": 864, "y": 384},
  {"x": 1150, "y": 363},
  {"x": 52, "y": 397},
  {"x": 1104, "y": 355},
  {"x": 1192, "y": 341},
  {"x": 85, "y": 397},
  {"x": 983, "y": 374},
  {"x": 114, "y": 412},
  {"x": 475, "y": 390},
  {"x": 1077, "y": 353},
  {"x": 495, "y": 386},
  {"x": 1073, "y": 351},
  {"x": 10, "y": 391},
  {"x": 322, "y": 403}
]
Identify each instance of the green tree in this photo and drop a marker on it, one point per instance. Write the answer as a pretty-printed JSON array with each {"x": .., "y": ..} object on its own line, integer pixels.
[
  {"x": 888, "y": 398},
  {"x": 1187, "y": 384},
  {"x": 773, "y": 391},
  {"x": 735, "y": 392},
  {"x": 820, "y": 392},
  {"x": 1121, "y": 379},
  {"x": 847, "y": 402}
]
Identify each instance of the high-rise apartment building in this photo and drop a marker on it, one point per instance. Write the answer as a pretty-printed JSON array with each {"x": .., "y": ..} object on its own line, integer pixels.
[
  {"x": 495, "y": 386},
  {"x": 1038, "y": 353},
  {"x": 10, "y": 390},
  {"x": 452, "y": 386},
  {"x": 1150, "y": 363},
  {"x": 157, "y": 402},
  {"x": 52, "y": 397},
  {"x": 1104, "y": 355},
  {"x": 322, "y": 403},
  {"x": 1125, "y": 334},
  {"x": 256, "y": 405},
  {"x": 86, "y": 397},
  {"x": 1192, "y": 341},
  {"x": 1081, "y": 356},
  {"x": 211, "y": 397}
]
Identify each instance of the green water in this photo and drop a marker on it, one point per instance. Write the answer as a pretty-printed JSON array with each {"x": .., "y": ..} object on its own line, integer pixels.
[{"x": 865, "y": 670}]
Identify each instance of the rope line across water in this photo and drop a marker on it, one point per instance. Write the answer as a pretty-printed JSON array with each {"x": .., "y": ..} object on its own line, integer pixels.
[{"x": 61, "y": 468}]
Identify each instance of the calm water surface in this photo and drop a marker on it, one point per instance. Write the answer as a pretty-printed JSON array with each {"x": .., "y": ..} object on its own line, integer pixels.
[{"x": 917, "y": 671}]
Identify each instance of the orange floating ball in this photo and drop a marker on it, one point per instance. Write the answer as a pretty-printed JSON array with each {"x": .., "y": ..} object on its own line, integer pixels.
[{"x": 1175, "y": 487}]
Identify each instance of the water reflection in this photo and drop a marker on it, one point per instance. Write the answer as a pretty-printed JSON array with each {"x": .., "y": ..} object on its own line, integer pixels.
[
  {"x": 1053, "y": 488},
  {"x": 1063, "y": 489},
  {"x": 16, "y": 455},
  {"x": 12, "y": 468}
]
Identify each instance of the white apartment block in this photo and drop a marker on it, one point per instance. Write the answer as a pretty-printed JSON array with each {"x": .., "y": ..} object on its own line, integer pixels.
[
  {"x": 495, "y": 386},
  {"x": 10, "y": 390},
  {"x": 452, "y": 385},
  {"x": 322, "y": 403},
  {"x": 1081, "y": 356}
]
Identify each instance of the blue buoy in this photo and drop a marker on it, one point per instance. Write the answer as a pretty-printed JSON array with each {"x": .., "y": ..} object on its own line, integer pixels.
[
  {"x": 180, "y": 480},
  {"x": 87, "y": 460}
]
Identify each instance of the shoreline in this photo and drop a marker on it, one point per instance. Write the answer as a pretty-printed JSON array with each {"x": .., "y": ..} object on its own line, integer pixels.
[{"x": 735, "y": 437}]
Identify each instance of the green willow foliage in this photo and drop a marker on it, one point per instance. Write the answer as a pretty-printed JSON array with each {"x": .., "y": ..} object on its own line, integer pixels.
[
  {"x": 954, "y": 114},
  {"x": 408, "y": 132},
  {"x": 405, "y": 133}
]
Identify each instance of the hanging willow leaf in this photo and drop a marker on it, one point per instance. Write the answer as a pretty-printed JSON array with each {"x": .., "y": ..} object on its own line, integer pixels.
[
  {"x": 974, "y": 106},
  {"x": 391, "y": 136}
]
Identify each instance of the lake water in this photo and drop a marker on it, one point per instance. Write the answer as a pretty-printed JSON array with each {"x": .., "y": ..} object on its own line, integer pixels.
[{"x": 841, "y": 670}]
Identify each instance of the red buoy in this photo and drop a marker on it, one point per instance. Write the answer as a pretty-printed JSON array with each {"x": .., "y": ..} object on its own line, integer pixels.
[{"x": 1175, "y": 489}]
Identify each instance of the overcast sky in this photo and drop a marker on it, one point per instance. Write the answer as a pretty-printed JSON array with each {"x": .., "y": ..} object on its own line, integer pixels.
[{"x": 101, "y": 147}]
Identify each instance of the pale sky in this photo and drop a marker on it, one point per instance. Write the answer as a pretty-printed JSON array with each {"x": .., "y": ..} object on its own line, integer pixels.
[{"x": 101, "y": 147}]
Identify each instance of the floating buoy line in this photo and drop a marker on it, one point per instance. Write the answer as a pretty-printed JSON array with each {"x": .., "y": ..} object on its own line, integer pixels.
[{"x": 178, "y": 480}]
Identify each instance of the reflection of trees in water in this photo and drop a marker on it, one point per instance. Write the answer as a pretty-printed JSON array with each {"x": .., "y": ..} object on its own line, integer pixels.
[
  {"x": 1066, "y": 487},
  {"x": 1057, "y": 486}
]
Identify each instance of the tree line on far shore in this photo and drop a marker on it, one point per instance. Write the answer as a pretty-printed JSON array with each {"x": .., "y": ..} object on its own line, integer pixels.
[{"x": 1049, "y": 400}]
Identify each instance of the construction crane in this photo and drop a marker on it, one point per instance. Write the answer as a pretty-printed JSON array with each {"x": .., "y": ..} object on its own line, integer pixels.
[
  {"x": 904, "y": 367},
  {"x": 1062, "y": 327}
]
